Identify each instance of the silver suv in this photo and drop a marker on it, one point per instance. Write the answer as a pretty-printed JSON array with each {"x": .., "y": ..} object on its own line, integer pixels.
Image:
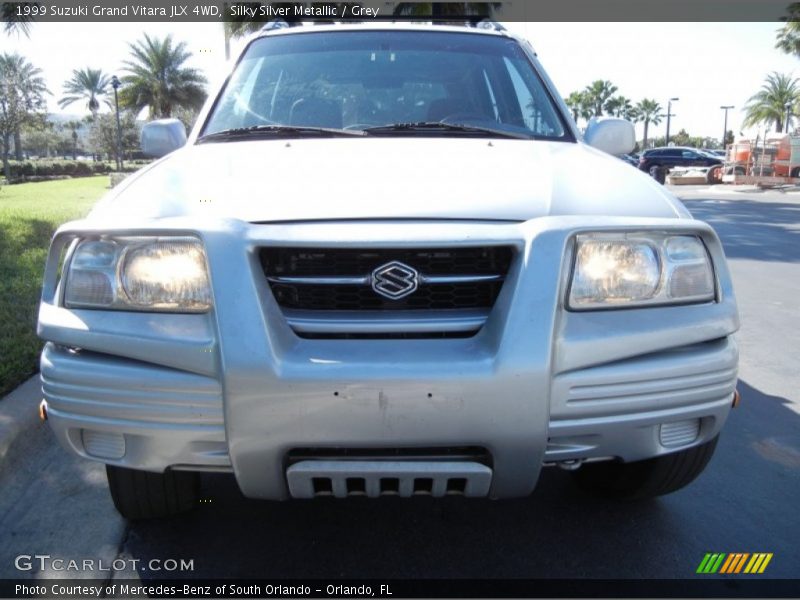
[{"x": 385, "y": 262}]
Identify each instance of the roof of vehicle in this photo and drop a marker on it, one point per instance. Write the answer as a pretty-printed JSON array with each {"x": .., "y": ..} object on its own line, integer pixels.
[{"x": 673, "y": 148}]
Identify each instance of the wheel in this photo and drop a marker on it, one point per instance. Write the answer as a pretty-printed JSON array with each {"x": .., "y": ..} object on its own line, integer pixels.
[
  {"x": 144, "y": 495},
  {"x": 714, "y": 174},
  {"x": 646, "y": 478},
  {"x": 659, "y": 174}
]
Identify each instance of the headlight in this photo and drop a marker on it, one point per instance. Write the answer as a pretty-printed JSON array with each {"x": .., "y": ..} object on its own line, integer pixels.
[
  {"x": 147, "y": 274},
  {"x": 623, "y": 270}
]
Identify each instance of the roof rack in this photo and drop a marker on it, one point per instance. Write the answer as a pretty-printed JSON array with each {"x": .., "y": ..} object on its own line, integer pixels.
[
  {"x": 489, "y": 24},
  {"x": 478, "y": 23},
  {"x": 279, "y": 24}
]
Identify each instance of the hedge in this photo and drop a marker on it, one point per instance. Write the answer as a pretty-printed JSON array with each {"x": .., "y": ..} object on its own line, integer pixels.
[{"x": 26, "y": 169}]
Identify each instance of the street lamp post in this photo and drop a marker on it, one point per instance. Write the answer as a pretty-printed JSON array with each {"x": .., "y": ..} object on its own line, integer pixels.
[
  {"x": 116, "y": 83},
  {"x": 669, "y": 116},
  {"x": 725, "y": 126},
  {"x": 788, "y": 107}
]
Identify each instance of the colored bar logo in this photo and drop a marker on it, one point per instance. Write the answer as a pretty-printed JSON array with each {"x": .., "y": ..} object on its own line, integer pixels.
[{"x": 734, "y": 563}]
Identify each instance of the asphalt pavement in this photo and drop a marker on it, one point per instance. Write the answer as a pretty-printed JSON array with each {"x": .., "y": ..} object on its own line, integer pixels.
[{"x": 748, "y": 500}]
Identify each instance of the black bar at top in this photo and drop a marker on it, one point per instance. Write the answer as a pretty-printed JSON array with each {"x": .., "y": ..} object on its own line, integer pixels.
[{"x": 177, "y": 11}]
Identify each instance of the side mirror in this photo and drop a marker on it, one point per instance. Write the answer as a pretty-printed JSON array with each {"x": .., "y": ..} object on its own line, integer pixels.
[
  {"x": 161, "y": 137},
  {"x": 609, "y": 134}
]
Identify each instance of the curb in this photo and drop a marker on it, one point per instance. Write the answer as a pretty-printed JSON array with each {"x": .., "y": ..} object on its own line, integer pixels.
[{"x": 19, "y": 414}]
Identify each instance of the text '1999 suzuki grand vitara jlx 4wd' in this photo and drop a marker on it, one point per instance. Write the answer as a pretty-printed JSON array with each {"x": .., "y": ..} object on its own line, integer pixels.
[{"x": 385, "y": 262}]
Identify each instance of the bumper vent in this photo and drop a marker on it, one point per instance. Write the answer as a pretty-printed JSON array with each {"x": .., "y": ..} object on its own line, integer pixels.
[
  {"x": 103, "y": 444},
  {"x": 679, "y": 433},
  {"x": 437, "y": 291}
]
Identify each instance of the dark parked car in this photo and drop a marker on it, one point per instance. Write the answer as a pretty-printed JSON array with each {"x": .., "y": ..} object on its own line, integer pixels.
[{"x": 667, "y": 158}]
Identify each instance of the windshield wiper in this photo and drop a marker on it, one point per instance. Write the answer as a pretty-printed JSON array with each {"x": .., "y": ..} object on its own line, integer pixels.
[
  {"x": 424, "y": 126},
  {"x": 277, "y": 130}
]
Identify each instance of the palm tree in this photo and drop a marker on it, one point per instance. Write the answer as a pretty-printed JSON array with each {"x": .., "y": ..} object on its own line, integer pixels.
[
  {"x": 598, "y": 93},
  {"x": 578, "y": 104},
  {"x": 620, "y": 106},
  {"x": 768, "y": 105},
  {"x": 73, "y": 127},
  {"x": 158, "y": 80},
  {"x": 22, "y": 91},
  {"x": 13, "y": 20},
  {"x": 86, "y": 84},
  {"x": 648, "y": 111},
  {"x": 788, "y": 38}
]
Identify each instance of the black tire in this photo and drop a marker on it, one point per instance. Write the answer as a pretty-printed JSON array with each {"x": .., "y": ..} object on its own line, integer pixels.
[
  {"x": 714, "y": 174},
  {"x": 646, "y": 478},
  {"x": 144, "y": 495},
  {"x": 659, "y": 174}
]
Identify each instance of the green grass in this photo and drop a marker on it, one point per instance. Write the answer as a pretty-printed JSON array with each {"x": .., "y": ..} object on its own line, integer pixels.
[{"x": 29, "y": 215}]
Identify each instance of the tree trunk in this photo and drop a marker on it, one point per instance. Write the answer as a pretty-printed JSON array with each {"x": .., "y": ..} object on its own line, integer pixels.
[
  {"x": 17, "y": 145},
  {"x": 6, "y": 164},
  {"x": 644, "y": 141}
]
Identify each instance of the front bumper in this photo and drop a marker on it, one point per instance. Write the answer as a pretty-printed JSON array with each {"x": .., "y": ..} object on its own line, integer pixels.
[{"x": 236, "y": 389}]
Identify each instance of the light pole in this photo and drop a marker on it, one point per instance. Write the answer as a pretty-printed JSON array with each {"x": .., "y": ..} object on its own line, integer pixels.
[
  {"x": 788, "y": 107},
  {"x": 725, "y": 126},
  {"x": 669, "y": 116},
  {"x": 115, "y": 83}
]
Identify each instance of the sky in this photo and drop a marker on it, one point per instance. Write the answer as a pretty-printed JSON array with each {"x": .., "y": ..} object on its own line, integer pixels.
[{"x": 706, "y": 65}]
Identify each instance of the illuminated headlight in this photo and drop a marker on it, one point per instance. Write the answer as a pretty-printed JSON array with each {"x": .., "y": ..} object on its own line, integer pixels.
[
  {"x": 146, "y": 274},
  {"x": 622, "y": 270}
]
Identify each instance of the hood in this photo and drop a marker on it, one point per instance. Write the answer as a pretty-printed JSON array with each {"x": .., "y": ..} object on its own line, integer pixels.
[{"x": 387, "y": 178}]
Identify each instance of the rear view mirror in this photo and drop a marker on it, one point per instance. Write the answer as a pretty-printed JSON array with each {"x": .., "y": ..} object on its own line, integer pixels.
[
  {"x": 609, "y": 134},
  {"x": 163, "y": 136}
]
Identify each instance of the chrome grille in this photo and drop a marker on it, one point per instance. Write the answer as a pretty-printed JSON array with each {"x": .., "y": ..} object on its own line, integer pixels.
[
  {"x": 322, "y": 290},
  {"x": 340, "y": 279}
]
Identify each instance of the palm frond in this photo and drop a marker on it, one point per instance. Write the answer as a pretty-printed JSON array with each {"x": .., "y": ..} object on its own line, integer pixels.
[
  {"x": 16, "y": 21},
  {"x": 156, "y": 78}
]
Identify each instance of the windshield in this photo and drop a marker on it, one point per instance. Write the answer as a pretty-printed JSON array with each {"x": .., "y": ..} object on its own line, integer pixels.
[{"x": 358, "y": 80}]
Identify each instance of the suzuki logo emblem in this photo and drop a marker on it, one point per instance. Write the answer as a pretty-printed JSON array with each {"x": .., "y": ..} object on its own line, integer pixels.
[{"x": 395, "y": 280}]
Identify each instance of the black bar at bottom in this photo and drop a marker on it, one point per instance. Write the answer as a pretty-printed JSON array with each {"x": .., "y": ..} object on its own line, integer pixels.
[{"x": 712, "y": 587}]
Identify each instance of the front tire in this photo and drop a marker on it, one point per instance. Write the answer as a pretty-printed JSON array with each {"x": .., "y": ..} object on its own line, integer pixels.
[
  {"x": 659, "y": 174},
  {"x": 646, "y": 478},
  {"x": 144, "y": 495},
  {"x": 714, "y": 175}
]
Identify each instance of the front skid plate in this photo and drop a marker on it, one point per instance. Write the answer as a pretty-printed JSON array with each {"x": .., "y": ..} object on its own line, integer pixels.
[{"x": 342, "y": 478}]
